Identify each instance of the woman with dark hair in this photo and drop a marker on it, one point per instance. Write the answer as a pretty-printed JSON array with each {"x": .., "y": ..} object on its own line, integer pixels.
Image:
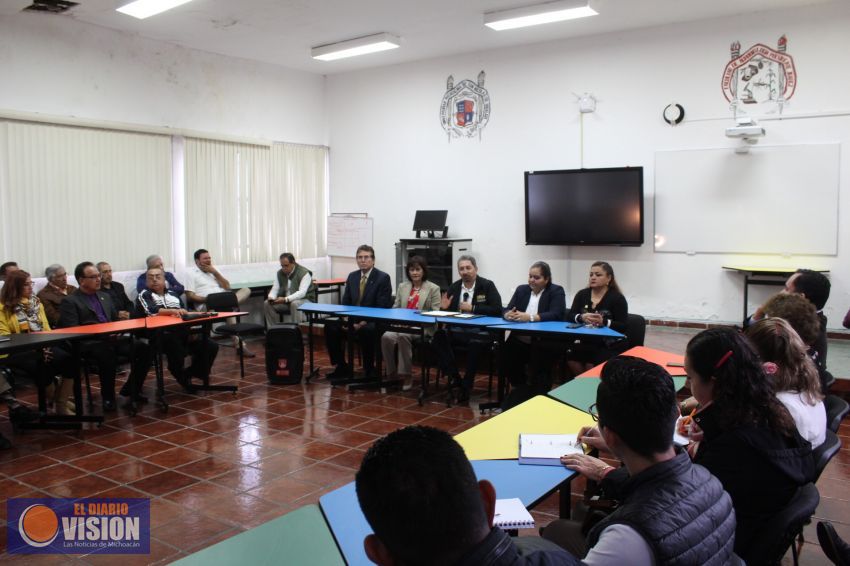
[
  {"x": 746, "y": 437},
  {"x": 416, "y": 293},
  {"x": 538, "y": 301},
  {"x": 599, "y": 304},
  {"x": 793, "y": 375},
  {"x": 21, "y": 312}
]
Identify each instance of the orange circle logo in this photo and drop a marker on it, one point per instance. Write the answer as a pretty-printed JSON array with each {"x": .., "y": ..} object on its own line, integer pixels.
[{"x": 38, "y": 525}]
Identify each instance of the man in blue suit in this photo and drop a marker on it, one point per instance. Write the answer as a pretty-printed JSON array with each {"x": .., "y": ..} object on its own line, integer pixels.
[{"x": 366, "y": 287}]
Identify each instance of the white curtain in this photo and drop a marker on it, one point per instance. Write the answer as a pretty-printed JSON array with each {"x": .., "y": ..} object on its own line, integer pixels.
[
  {"x": 72, "y": 194},
  {"x": 248, "y": 203}
]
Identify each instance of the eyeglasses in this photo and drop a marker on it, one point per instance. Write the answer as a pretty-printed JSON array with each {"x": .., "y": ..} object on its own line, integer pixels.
[{"x": 594, "y": 414}]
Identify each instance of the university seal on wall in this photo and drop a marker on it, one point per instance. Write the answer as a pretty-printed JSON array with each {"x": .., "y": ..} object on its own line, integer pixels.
[
  {"x": 760, "y": 75},
  {"x": 465, "y": 108}
]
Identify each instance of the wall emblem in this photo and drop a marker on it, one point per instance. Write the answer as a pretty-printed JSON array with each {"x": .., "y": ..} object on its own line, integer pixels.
[
  {"x": 760, "y": 75},
  {"x": 465, "y": 109}
]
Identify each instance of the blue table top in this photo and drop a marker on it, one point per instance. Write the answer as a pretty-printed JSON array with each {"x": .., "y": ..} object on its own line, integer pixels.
[
  {"x": 481, "y": 321},
  {"x": 558, "y": 327},
  {"x": 389, "y": 315},
  {"x": 326, "y": 308},
  {"x": 529, "y": 483}
]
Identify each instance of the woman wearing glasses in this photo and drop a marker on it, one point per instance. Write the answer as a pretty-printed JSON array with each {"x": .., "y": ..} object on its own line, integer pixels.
[
  {"x": 599, "y": 304},
  {"x": 416, "y": 293},
  {"x": 21, "y": 312}
]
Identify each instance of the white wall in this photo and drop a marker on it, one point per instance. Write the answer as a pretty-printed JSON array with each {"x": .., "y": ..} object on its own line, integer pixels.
[
  {"x": 390, "y": 156},
  {"x": 56, "y": 65}
]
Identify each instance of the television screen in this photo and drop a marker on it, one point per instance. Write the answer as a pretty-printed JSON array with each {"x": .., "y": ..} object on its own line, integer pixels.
[
  {"x": 587, "y": 207},
  {"x": 430, "y": 220}
]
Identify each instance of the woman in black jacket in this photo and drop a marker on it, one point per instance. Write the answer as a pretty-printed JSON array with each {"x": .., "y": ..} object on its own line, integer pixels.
[
  {"x": 742, "y": 433},
  {"x": 599, "y": 304}
]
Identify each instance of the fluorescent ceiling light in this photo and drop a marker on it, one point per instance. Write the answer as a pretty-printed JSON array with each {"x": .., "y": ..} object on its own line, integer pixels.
[
  {"x": 539, "y": 14},
  {"x": 359, "y": 46},
  {"x": 146, "y": 8}
]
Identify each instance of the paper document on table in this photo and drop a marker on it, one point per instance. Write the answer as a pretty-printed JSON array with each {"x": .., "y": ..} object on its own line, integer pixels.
[
  {"x": 438, "y": 313},
  {"x": 547, "y": 449},
  {"x": 512, "y": 514}
]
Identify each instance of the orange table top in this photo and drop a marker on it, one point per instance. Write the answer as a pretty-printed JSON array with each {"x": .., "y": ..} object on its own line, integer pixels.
[
  {"x": 659, "y": 357},
  {"x": 339, "y": 281},
  {"x": 139, "y": 323}
]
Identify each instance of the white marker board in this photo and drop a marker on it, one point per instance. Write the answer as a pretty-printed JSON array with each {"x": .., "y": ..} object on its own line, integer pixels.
[
  {"x": 772, "y": 200},
  {"x": 346, "y": 233}
]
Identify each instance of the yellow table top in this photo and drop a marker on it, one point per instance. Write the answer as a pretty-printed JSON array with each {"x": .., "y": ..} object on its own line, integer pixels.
[{"x": 498, "y": 438}]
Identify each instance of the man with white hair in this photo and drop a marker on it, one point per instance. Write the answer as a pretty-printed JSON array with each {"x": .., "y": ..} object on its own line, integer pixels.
[
  {"x": 171, "y": 282},
  {"x": 54, "y": 292}
]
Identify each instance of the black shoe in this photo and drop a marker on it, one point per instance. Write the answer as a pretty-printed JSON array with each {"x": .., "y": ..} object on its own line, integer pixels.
[
  {"x": 108, "y": 406},
  {"x": 342, "y": 371},
  {"x": 835, "y": 549},
  {"x": 5, "y": 443},
  {"x": 21, "y": 414}
]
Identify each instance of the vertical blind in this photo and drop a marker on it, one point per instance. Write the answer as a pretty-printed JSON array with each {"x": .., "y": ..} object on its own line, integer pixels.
[
  {"x": 248, "y": 203},
  {"x": 72, "y": 194}
]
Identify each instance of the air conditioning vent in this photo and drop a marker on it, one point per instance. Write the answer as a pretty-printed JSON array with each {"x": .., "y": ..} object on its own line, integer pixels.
[{"x": 50, "y": 6}]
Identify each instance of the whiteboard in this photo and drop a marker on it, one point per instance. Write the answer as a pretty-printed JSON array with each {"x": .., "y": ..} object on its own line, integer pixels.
[
  {"x": 772, "y": 200},
  {"x": 346, "y": 233}
]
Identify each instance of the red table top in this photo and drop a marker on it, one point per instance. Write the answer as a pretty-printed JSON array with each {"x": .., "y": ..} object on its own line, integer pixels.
[{"x": 659, "y": 357}]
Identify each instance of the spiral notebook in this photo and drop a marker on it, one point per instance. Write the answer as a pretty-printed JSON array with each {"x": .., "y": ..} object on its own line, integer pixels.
[{"x": 512, "y": 514}]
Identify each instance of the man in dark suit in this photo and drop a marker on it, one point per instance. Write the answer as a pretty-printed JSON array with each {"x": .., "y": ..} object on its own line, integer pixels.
[
  {"x": 469, "y": 294},
  {"x": 366, "y": 287},
  {"x": 115, "y": 290},
  {"x": 90, "y": 305}
]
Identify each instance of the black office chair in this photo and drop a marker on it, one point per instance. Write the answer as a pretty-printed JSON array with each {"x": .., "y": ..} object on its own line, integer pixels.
[
  {"x": 832, "y": 545},
  {"x": 824, "y": 453},
  {"x": 836, "y": 409},
  {"x": 635, "y": 330},
  {"x": 227, "y": 302},
  {"x": 784, "y": 529}
]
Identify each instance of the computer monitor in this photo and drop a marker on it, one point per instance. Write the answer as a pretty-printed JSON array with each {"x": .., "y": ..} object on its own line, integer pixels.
[{"x": 430, "y": 221}]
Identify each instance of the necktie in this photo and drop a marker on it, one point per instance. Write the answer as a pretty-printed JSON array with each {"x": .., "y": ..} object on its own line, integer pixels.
[{"x": 362, "y": 289}]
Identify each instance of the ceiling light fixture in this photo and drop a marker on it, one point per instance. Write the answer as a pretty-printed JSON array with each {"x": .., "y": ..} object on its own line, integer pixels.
[
  {"x": 538, "y": 14},
  {"x": 359, "y": 46},
  {"x": 142, "y": 9}
]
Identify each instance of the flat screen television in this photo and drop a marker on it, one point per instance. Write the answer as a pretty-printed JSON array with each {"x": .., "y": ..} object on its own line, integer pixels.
[
  {"x": 430, "y": 220},
  {"x": 584, "y": 207}
]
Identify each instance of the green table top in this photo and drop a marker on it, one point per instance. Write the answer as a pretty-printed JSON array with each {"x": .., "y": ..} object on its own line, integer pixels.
[
  {"x": 581, "y": 391},
  {"x": 299, "y": 537}
]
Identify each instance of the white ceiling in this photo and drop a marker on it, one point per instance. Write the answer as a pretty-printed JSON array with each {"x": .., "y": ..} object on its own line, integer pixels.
[{"x": 282, "y": 32}]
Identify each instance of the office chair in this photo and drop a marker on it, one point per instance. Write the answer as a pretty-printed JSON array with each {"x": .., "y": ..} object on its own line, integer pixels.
[
  {"x": 832, "y": 545},
  {"x": 784, "y": 529},
  {"x": 635, "y": 330},
  {"x": 227, "y": 302},
  {"x": 825, "y": 452},
  {"x": 836, "y": 409}
]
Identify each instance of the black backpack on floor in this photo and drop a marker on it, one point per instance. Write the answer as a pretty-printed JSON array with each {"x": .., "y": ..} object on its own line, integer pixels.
[{"x": 284, "y": 354}]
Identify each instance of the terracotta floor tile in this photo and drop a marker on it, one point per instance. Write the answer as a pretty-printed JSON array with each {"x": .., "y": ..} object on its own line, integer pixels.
[
  {"x": 189, "y": 528},
  {"x": 157, "y": 428},
  {"x": 350, "y": 459},
  {"x": 201, "y": 495},
  {"x": 442, "y": 423},
  {"x": 283, "y": 490},
  {"x": 207, "y": 468},
  {"x": 346, "y": 420},
  {"x": 216, "y": 445},
  {"x": 283, "y": 464},
  {"x": 378, "y": 427},
  {"x": 101, "y": 460},
  {"x": 244, "y": 434},
  {"x": 243, "y": 478},
  {"x": 240, "y": 509},
  {"x": 146, "y": 448},
  {"x": 163, "y": 482},
  {"x": 323, "y": 474},
  {"x": 75, "y": 450},
  {"x": 84, "y": 486},
  {"x": 404, "y": 417},
  {"x": 25, "y": 465},
  {"x": 122, "y": 438},
  {"x": 123, "y": 491},
  {"x": 164, "y": 511},
  {"x": 351, "y": 438},
  {"x": 12, "y": 488},
  {"x": 175, "y": 457},
  {"x": 280, "y": 441},
  {"x": 320, "y": 450},
  {"x": 218, "y": 425},
  {"x": 130, "y": 471},
  {"x": 371, "y": 411},
  {"x": 284, "y": 422},
  {"x": 191, "y": 419},
  {"x": 160, "y": 553},
  {"x": 51, "y": 475},
  {"x": 184, "y": 436}
]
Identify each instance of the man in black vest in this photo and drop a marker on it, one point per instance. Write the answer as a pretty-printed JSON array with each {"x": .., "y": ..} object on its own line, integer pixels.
[
  {"x": 671, "y": 510},
  {"x": 293, "y": 286}
]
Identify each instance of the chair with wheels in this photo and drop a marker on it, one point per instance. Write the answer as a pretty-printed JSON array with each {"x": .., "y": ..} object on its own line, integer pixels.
[
  {"x": 825, "y": 452},
  {"x": 836, "y": 409},
  {"x": 227, "y": 302}
]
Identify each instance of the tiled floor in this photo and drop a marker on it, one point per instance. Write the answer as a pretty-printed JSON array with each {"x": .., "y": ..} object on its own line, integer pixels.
[{"x": 217, "y": 464}]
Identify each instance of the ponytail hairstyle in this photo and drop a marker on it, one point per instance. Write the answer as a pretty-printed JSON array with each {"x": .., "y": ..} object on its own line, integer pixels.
[
  {"x": 606, "y": 267},
  {"x": 742, "y": 392}
]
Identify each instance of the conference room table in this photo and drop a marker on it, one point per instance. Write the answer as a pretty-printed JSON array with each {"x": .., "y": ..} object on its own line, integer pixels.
[
  {"x": 673, "y": 363},
  {"x": 300, "y": 537},
  {"x": 531, "y": 484},
  {"x": 15, "y": 343}
]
